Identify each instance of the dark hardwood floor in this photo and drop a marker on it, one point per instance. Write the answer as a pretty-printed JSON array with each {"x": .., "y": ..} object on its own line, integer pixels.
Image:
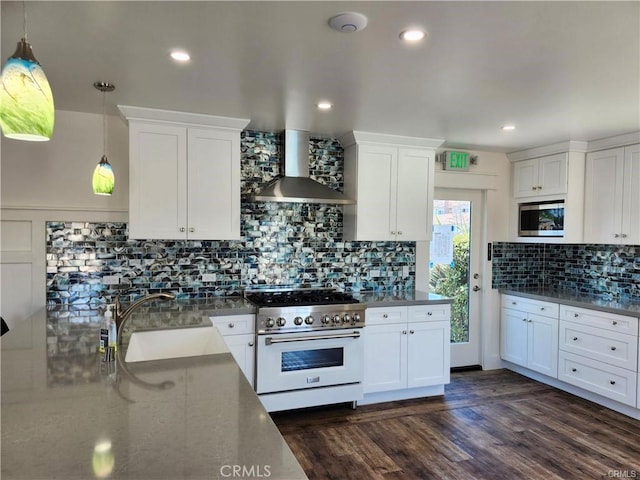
[{"x": 489, "y": 425}]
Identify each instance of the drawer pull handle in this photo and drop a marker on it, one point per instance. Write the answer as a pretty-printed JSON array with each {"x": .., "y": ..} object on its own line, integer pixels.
[
  {"x": 613, "y": 348},
  {"x": 412, "y": 332},
  {"x": 574, "y": 369},
  {"x": 384, "y": 315},
  {"x": 614, "y": 322},
  {"x": 251, "y": 344},
  {"x": 514, "y": 303},
  {"x": 231, "y": 325},
  {"x": 542, "y": 308},
  {"x": 404, "y": 332},
  {"x": 575, "y": 315},
  {"x": 612, "y": 382},
  {"x": 429, "y": 313},
  {"x": 524, "y": 319},
  {"x": 575, "y": 339}
]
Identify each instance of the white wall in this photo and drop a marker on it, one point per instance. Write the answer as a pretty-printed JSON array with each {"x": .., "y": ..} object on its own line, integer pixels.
[{"x": 57, "y": 174}]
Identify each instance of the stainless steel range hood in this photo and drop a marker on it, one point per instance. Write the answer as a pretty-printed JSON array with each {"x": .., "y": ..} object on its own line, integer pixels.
[{"x": 296, "y": 186}]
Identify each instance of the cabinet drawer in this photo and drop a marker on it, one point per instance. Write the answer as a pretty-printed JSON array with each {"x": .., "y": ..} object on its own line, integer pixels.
[
  {"x": 429, "y": 313},
  {"x": 234, "y": 324},
  {"x": 606, "y": 380},
  {"x": 595, "y": 318},
  {"x": 385, "y": 315},
  {"x": 606, "y": 346},
  {"x": 539, "y": 307}
]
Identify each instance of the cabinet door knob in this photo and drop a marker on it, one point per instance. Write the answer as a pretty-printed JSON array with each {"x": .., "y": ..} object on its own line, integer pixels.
[
  {"x": 524, "y": 319},
  {"x": 616, "y": 235},
  {"x": 574, "y": 369},
  {"x": 182, "y": 229},
  {"x": 575, "y": 339},
  {"x": 613, "y": 348},
  {"x": 393, "y": 232},
  {"x": 514, "y": 303},
  {"x": 530, "y": 321},
  {"x": 624, "y": 235},
  {"x": 612, "y": 382},
  {"x": 614, "y": 322},
  {"x": 384, "y": 315},
  {"x": 411, "y": 332},
  {"x": 542, "y": 308},
  {"x": 231, "y": 325},
  {"x": 191, "y": 229},
  {"x": 251, "y": 344},
  {"x": 399, "y": 232},
  {"x": 429, "y": 313},
  {"x": 404, "y": 332},
  {"x": 575, "y": 315}
]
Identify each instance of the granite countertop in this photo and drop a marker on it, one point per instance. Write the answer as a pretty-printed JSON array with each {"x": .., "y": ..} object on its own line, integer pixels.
[
  {"x": 397, "y": 299},
  {"x": 619, "y": 306},
  {"x": 66, "y": 414}
]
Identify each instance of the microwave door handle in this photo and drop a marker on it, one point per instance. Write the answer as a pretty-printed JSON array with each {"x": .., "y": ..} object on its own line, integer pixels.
[{"x": 271, "y": 340}]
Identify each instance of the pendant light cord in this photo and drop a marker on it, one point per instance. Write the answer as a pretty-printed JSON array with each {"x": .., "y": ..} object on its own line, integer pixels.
[
  {"x": 24, "y": 19},
  {"x": 104, "y": 127}
]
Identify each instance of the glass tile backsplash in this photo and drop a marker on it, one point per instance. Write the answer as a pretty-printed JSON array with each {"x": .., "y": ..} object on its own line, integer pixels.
[
  {"x": 282, "y": 244},
  {"x": 608, "y": 271}
]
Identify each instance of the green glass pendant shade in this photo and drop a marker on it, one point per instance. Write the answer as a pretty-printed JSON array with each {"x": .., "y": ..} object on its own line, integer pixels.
[
  {"x": 103, "y": 179},
  {"x": 26, "y": 101}
]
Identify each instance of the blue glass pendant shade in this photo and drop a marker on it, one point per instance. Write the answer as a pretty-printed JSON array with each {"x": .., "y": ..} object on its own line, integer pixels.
[
  {"x": 26, "y": 101},
  {"x": 103, "y": 179}
]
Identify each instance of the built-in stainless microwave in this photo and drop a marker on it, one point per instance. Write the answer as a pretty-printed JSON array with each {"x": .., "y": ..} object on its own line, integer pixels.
[{"x": 541, "y": 219}]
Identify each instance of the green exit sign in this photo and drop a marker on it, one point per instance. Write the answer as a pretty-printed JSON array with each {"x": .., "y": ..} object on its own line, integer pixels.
[{"x": 457, "y": 161}]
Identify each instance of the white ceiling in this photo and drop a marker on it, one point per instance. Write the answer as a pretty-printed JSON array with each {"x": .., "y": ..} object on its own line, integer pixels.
[{"x": 558, "y": 70}]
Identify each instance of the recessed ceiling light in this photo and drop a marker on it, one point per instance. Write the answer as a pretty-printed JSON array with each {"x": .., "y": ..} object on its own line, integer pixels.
[
  {"x": 324, "y": 105},
  {"x": 180, "y": 56},
  {"x": 412, "y": 35},
  {"x": 508, "y": 128}
]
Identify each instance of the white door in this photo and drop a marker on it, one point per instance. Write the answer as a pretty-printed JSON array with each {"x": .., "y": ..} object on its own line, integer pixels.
[{"x": 458, "y": 215}]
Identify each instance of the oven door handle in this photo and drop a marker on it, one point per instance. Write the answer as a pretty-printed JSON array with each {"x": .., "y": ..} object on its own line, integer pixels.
[{"x": 270, "y": 340}]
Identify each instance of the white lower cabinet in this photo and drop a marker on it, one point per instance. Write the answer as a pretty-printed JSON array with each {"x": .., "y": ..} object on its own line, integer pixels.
[
  {"x": 406, "y": 348},
  {"x": 530, "y": 339},
  {"x": 239, "y": 335},
  {"x": 594, "y": 350},
  {"x": 599, "y": 352}
]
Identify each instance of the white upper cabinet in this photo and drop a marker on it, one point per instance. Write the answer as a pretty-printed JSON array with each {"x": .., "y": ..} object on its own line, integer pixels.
[
  {"x": 391, "y": 179},
  {"x": 184, "y": 175},
  {"x": 612, "y": 196},
  {"x": 540, "y": 176}
]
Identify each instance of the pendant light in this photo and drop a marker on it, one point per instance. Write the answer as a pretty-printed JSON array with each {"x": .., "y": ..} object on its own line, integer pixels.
[
  {"x": 103, "y": 179},
  {"x": 26, "y": 101}
]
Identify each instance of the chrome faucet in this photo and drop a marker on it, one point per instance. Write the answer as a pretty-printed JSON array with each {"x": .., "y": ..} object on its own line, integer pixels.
[{"x": 121, "y": 317}]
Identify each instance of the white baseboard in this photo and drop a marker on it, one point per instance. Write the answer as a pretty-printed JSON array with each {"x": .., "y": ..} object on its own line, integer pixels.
[{"x": 405, "y": 394}]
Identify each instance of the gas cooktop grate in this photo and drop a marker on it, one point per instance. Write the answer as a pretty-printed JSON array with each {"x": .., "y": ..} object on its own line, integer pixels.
[{"x": 288, "y": 298}]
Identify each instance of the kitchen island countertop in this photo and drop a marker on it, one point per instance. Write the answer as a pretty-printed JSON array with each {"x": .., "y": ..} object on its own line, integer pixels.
[{"x": 67, "y": 414}]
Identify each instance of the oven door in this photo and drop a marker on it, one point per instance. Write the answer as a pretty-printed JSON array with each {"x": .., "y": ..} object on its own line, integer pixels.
[{"x": 303, "y": 360}]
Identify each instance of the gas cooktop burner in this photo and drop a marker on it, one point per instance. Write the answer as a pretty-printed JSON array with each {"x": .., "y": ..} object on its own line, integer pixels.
[{"x": 289, "y": 298}]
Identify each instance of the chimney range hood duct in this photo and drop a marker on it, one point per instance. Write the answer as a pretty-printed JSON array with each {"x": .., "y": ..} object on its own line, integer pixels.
[{"x": 296, "y": 186}]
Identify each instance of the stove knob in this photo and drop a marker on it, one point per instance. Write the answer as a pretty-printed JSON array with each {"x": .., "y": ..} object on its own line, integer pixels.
[
  {"x": 269, "y": 322},
  {"x": 347, "y": 318},
  {"x": 297, "y": 320},
  {"x": 308, "y": 320},
  {"x": 326, "y": 319},
  {"x": 356, "y": 318},
  {"x": 336, "y": 319},
  {"x": 281, "y": 322}
]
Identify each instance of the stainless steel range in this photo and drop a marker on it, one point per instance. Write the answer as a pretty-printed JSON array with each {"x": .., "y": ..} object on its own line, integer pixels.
[{"x": 309, "y": 347}]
